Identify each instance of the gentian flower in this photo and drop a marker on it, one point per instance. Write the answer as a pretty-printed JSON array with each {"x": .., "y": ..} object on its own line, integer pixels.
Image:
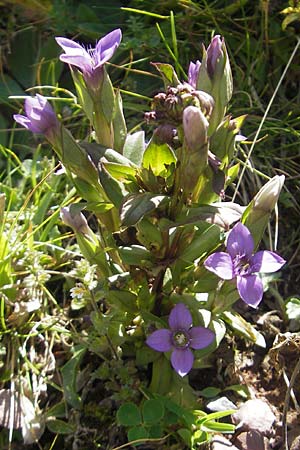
[
  {"x": 40, "y": 117},
  {"x": 193, "y": 73},
  {"x": 90, "y": 61},
  {"x": 180, "y": 338},
  {"x": 242, "y": 265}
]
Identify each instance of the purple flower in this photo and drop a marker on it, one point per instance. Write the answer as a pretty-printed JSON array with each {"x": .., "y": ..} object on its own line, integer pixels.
[
  {"x": 214, "y": 52},
  {"x": 193, "y": 73},
  {"x": 180, "y": 338},
  {"x": 241, "y": 264},
  {"x": 40, "y": 117},
  {"x": 90, "y": 61}
]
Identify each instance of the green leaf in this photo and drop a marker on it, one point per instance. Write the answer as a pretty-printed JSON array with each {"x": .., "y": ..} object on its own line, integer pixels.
[
  {"x": 202, "y": 243},
  {"x": 137, "y": 206},
  {"x": 58, "y": 410},
  {"x": 84, "y": 98},
  {"x": 153, "y": 411},
  {"x": 60, "y": 427},
  {"x": 134, "y": 147},
  {"x": 136, "y": 255},
  {"x": 124, "y": 300},
  {"x": 223, "y": 214},
  {"x": 69, "y": 375},
  {"x": 8, "y": 87},
  {"x": 155, "y": 431},
  {"x": 22, "y": 58},
  {"x": 185, "y": 435},
  {"x": 243, "y": 328},
  {"x": 129, "y": 415},
  {"x": 217, "y": 427},
  {"x": 119, "y": 124},
  {"x": 113, "y": 188},
  {"x": 137, "y": 433},
  {"x": 240, "y": 389},
  {"x": 107, "y": 97},
  {"x": 120, "y": 172},
  {"x": 182, "y": 413},
  {"x": 168, "y": 74},
  {"x": 210, "y": 392},
  {"x": 98, "y": 151},
  {"x": 145, "y": 355},
  {"x": 157, "y": 157}
]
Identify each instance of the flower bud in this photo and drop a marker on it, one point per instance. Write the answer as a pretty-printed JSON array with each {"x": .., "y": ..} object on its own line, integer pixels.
[
  {"x": 194, "y": 158},
  {"x": 214, "y": 55},
  {"x": 195, "y": 127},
  {"x": 267, "y": 197},
  {"x": 215, "y": 78},
  {"x": 89, "y": 244},
  {"x": 257, "y": 214},
  {"x": 40, "y": 117},
  {"x": 74, "y": 219}
]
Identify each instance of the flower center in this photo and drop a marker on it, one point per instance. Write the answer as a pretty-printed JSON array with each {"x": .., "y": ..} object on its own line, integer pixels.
[
  {"x": 242, "y": 265},
  {"x": 181, "y": 339}
]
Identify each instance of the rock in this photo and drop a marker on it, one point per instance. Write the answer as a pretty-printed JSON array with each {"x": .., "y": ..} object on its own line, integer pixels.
[
  {"x": 220, "y": 404},
  {"x": 221, "y": 443},
  {"x": 252, "y": 440},
  {"x": 255, "y": 415}
]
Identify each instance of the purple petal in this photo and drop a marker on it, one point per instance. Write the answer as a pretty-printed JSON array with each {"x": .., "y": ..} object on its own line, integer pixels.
[
  {"x": 75, "y": 54},
  {"x": 160, "y": 340},
  {"x": 220, "y": 263},
  {"x": 201, "y": 337},
  {"x": 250, "y": 289},
  {"x": 25, "y": 122},
  {"x": 193, "y": 73},
  {"x": 180, "y": 318},
  {"x": 182, "y": 361},
  {"x": 40, "y": 117},
  {"x": 106, "y": 47},
  {"x": 266, "y": 261},
  {"x": 240, "y": 241}
]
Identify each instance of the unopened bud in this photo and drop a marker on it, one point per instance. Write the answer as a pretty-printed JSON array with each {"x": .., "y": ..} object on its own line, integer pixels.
[
  {"x": 195, "y": 127},
  {"x": 267, "y": 196},
  {"x": 257, "y": 214},
  {"x": 214, "y": 55},
  {"x": 215, "y": 78},
  {"x": 74, "y": 219}
]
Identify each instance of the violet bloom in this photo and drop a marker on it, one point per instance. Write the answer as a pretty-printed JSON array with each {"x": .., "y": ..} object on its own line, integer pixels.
[
  {"x": 40, "y": 117},
  {"x": 180, "y": 338},
  {"x": 90, "y": 61},
  {"x": 193, "y": 73},
  {"x": 241, "y": 264}
]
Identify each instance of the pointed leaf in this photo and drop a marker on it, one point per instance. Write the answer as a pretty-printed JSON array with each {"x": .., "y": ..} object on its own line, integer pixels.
[
  {"x": 136, "y": 206},
  {"x": 119, "y": 124},
  {"x": 134, "y": 147},
  {"x": 119, "y": 171},
  {"x": 168, "y": 74},
  {"x": 69, "y": 375},
  {"x": 157, "y": 157},
  {"x": 244, "y": 328},
  {"x": 114, "y": 190}
]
